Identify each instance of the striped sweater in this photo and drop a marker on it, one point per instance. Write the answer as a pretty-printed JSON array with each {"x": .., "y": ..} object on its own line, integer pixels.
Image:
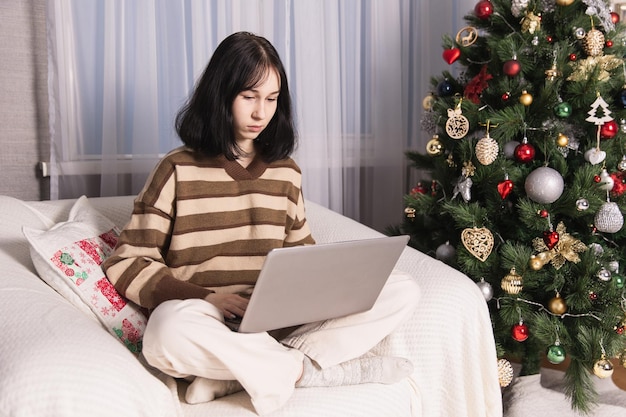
[{"x": 204, "y": 224}]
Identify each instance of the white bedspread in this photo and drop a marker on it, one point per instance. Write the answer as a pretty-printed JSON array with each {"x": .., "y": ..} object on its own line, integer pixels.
[{"x": 48, "y": 348}]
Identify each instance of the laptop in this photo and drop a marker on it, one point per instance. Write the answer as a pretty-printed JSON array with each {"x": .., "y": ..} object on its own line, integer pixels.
[{"x": 305, "y": 284}]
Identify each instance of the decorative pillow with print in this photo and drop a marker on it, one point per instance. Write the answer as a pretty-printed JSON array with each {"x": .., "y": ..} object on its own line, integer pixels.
[{"x": 68, "y": 257}]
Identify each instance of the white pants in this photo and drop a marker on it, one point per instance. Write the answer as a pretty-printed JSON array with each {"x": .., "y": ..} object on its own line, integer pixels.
[{"x": 188, "y": 338}]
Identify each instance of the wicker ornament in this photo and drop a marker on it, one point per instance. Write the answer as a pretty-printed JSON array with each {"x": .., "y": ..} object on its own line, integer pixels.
[
  {"x": 593, "y": 42},
  {"x": 505, "y": 372},
  {"x": 478, "y": 242},
  {"x": 609, "y": 218},
  {"x": 512, "y": 283}
]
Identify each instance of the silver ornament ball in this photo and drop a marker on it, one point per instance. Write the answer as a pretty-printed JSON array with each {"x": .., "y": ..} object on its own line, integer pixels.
[
  {"x": 486, "y": 289},
  {"x": 544, "y": 185},
  {"x": 445, "y": 252}
]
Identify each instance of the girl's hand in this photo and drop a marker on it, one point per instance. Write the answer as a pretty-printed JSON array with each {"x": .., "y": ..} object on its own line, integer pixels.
[{"x": 231, "y": 305}]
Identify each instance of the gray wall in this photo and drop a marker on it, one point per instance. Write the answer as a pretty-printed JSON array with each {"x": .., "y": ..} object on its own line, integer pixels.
[{"x": 23, "y": 99}]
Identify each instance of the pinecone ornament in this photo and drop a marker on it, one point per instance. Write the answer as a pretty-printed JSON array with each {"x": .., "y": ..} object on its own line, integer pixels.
[
  {"x": 593, "y": 42},
  {"x": 486, "y": 150}
]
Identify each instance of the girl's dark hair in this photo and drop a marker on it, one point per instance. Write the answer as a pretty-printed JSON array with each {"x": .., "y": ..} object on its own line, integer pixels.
[{"x": 239, "y": 63}]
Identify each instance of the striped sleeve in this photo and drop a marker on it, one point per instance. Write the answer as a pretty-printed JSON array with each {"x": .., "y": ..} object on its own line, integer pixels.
[{"x": 137, "y": 268}]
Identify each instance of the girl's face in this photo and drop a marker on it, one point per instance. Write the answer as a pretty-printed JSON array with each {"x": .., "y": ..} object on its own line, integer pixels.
[{"x": 253, "y": 109}]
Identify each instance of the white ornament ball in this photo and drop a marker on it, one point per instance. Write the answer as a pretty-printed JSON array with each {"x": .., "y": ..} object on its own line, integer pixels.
[
  {"x": 544, "y": 185},
  {"x": 609, "y": 218}
]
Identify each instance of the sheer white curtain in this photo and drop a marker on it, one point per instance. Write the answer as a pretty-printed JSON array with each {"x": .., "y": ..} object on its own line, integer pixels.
[{"x": 358, "y": 71}]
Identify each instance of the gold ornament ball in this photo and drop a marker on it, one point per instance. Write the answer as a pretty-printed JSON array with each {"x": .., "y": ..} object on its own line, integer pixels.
[
  {"x": 434, "y": 147},
  {"x": 512, "y": 283},
  {"x": 526, "y": 98},
  {"x": 564, "y": 2},
  {"x": 537, "y": 261},
  {"x": 562, "y": 140},
  {"x": 557, "y": 305},
  {"x": 428, "y": 102},
  {"x": 603, "y": 368}
]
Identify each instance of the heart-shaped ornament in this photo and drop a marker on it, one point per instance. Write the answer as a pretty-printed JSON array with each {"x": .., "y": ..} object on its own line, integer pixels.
[
  {"x": 451, "y": 55},
  {"x": 478, "y": 242},
  {"x": 504, "y": 188},
  {"x": 550, "y": 239},
  {"x": 594, "y": 156}
]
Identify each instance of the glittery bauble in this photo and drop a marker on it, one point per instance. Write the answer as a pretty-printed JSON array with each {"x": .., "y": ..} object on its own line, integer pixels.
[
  {"x": 603, "y": 368},
  {"x": 505, "y": 372},
  {"x": 609, "y": 130},
  {"x": 483, "y": 9},
  {"x": 555, "y": 354},
  {"x": 512, "y": 67},
  {"x": 518, "y": 6},
  {"x": 563, "y": 110},
  {"x": 609, "y": 218},
  {"x": 434, "y": 147},
  {"x": 512, "y": 283},
  {"x": 486, "y": 150},
  {"x": 557, "y": 305},
  {"x": 486, "y": 289},
  {"x": 519, "y": 332},
  {"x": 544, "y": 185},
  {"x": 445, "y": 252},
  {"x": 593, "y": 42}
]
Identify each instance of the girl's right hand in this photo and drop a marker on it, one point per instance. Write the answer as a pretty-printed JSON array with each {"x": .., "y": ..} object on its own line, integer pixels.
[{"x": 231, "y": 305}]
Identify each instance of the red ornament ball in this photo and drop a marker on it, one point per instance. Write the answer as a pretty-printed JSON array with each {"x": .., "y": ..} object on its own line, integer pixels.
[
  {"x": 524, "y": 153},
  {"x": 609, "y": 130},
  {"x": 573, "y": 57},
  {"x": 543, "y": 213},
  {"x": 512, "y": 67},
  {"x": 596, "y": 178},
  {"x": 418, "y": 189},
  {"x": 519, "y": 332},
  {"x": 483, "y": 9},
  {"x": 615, "y": 17},
  {"x": 506, "y": 96},
  {"x": 549, "y": 39},
  {"x": 609, "y": 43}
]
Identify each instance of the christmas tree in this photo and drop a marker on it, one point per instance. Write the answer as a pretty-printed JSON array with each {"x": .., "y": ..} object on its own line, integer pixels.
[{"x": 527, "y": 173}]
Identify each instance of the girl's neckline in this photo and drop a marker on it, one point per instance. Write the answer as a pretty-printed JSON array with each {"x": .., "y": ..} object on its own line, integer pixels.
[{"x": 254, "y": 170}]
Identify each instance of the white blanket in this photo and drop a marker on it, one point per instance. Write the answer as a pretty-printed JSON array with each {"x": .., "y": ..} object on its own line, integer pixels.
[{"x": 54, "y": 358}]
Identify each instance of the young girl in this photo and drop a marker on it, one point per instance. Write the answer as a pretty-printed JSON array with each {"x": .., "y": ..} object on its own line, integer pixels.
[{"x": 199, "y": 233}]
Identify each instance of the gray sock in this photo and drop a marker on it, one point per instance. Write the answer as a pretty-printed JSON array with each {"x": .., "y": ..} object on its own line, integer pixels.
[
  {"x": 202, "y": 390},
  {"x": 377, "y": 369}
]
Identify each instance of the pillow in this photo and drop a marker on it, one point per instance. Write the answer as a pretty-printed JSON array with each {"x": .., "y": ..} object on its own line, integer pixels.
[{"x": 68, "y": 257}]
